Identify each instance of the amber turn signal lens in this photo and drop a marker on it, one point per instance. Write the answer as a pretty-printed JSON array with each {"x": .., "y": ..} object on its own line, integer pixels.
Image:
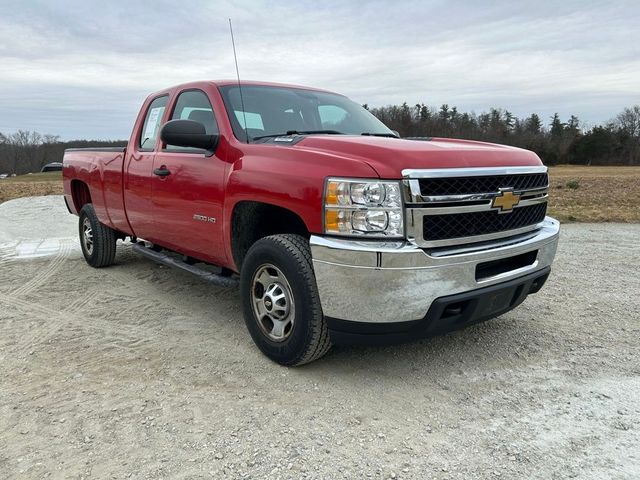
[
  {"x": 331, "y": 220},
  {"x": 332, "y": 194}
]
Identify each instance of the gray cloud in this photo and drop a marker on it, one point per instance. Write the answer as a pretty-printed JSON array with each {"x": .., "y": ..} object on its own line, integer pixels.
[{"x": 81, "y": 69}]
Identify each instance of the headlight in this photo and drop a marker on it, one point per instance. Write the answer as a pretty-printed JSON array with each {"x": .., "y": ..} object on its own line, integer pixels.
[{"x": 363, "y": 207}]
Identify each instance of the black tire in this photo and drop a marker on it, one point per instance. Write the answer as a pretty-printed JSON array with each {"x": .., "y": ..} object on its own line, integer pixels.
[
  {"x": 102, "y": 250},
  {"x": 308, "y": 338}
]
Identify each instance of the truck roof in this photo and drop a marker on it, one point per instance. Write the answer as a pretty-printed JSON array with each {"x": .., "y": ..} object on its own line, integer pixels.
[{"x": 222, "y": 83}]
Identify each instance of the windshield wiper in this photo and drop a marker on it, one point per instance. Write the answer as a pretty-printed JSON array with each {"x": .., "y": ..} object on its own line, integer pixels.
[
  {"x": 370, "y": 134},
  {"x": 299, "y": 132}
]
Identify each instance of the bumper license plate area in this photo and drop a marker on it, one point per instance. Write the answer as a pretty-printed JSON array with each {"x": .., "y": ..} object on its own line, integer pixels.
[{"x": 496, "y": 302}]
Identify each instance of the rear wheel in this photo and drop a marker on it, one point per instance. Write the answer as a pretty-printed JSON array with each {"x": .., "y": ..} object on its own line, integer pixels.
[
  {"x": 98, "y": 241},
  {"x": 280, "y": 300}
]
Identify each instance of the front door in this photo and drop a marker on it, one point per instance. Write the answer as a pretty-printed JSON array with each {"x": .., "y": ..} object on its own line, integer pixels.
[{"x": 188, "y": 188}]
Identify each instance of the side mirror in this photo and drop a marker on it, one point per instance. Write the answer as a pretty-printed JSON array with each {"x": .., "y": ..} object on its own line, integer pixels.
[
  {"x": 396, "y": 133},
  {"x": 187, "y": 133}
]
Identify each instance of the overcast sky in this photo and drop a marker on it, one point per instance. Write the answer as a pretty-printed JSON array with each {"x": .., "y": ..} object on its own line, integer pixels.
[{"x": 80, "y": 69}]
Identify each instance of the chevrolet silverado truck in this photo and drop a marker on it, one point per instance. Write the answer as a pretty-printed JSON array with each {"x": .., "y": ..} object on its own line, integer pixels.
[{"x": 335, "y": 230}]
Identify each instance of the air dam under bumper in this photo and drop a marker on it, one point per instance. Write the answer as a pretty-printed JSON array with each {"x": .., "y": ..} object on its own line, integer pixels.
[{"x": 383, "y": 288}]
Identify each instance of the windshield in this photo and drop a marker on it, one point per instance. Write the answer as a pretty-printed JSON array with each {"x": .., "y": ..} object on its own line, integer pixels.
[{"x": 272, "y": 111}]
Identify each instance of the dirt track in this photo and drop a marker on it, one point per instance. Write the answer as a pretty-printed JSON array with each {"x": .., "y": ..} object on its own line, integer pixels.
[{"x": 143, "y": 372}]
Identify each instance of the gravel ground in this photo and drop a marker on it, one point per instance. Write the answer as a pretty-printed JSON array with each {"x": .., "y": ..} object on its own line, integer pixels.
[{"x": 143, "y": 372}]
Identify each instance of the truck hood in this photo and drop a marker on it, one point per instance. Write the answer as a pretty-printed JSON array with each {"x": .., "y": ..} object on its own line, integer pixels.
[{"x": 389, "y": 156}]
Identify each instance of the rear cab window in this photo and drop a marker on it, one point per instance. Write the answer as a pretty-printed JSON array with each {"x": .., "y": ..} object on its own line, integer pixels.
[{"x": 151, "y": 125}]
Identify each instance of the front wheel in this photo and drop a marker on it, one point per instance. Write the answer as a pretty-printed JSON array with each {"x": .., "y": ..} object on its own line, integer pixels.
[
  {"x": 280, "y": 301},
  {"x": 98, "y": 241}
]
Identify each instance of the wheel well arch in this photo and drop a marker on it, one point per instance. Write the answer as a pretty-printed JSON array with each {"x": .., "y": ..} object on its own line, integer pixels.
[
  {"x": 80, "y": 194},
  {"x": 251, "y": 221}
]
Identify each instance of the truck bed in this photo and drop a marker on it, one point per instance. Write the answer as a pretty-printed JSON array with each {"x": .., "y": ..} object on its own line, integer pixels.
[{"x": 100, "y": 169}]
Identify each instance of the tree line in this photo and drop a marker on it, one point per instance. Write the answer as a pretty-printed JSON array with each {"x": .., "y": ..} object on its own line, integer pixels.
[
  {"x": 617, "y": 142},
  {"x": 26, "y": 152}
]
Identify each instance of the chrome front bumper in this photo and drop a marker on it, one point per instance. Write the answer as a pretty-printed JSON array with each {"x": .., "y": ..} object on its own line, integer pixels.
[{"x": 392, "y": 282}]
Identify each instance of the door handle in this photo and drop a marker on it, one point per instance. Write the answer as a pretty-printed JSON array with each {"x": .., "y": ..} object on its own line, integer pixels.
[{"x": 162, "y": 171}]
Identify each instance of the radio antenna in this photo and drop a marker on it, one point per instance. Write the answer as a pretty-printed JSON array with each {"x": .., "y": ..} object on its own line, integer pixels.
[{"x": 235, "y": 58}]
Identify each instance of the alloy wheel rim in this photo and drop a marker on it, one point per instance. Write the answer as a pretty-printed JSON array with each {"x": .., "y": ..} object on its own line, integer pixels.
[
  {"x": 272, "y": 302},
  {"x": 87, "y": 236}
]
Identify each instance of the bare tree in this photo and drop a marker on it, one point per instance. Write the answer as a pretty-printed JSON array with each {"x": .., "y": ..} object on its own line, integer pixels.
[
  {"x": 25, "y": 150},
  {"x": 628, "y": 122},
  {"x": 49, "y": 149},
  {"x": 4, "y": 154}
]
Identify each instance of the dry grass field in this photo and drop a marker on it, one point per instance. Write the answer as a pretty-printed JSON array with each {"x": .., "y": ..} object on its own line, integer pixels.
[
  {"x": 595, "y": 194},
  {"x": 34, "y": 184},
  {"x": 578, "y": 194}
]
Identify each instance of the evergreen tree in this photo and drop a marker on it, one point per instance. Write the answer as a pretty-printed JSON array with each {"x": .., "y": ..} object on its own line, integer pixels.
[
  {"x": 533, "y": 124},
  {"x": 557, "y": 127}
]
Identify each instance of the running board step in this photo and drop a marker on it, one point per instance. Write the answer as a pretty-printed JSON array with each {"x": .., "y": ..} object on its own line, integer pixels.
[{"x": 169, "y": 261}]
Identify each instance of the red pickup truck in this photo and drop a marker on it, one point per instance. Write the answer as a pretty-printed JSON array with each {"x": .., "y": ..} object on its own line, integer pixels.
[{"x": 335, "y": 230}]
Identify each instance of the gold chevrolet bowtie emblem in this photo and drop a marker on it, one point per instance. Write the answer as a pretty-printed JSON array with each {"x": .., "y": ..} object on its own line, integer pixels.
[{"x": 506, "y": 200}]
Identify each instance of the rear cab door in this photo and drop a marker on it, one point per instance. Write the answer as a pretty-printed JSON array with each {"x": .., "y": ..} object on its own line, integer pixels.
[{"x": 188, "y": 201}]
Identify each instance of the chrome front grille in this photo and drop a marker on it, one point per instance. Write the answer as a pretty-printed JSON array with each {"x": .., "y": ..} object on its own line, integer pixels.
[{"x": 460, "y": 205}]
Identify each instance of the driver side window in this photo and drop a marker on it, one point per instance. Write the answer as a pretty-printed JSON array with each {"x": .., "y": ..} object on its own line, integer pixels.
[{"x": 194, "y": 105}]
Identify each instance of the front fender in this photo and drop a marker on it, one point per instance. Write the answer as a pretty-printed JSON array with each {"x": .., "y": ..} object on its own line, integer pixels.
[{"x": 288, "y": 180}]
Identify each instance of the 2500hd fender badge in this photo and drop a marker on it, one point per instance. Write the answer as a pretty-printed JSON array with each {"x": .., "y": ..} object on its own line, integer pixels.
[{"x": 204, "y": 218}]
